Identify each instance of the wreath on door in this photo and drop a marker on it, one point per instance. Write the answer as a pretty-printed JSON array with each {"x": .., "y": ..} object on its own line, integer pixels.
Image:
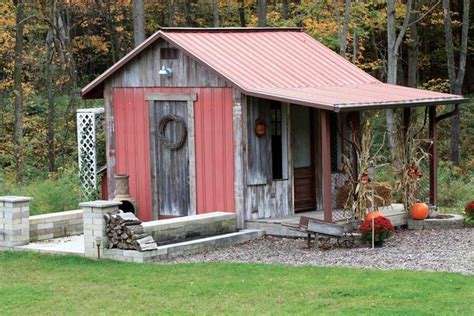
[{"x": 181, "y": 137}]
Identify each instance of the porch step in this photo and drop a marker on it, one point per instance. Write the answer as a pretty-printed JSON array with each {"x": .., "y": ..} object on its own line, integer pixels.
[{"x": 184, "y": 248}]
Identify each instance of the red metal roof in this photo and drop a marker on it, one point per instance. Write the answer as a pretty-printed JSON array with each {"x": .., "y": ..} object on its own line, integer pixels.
[{"x": 286, "y": 65}]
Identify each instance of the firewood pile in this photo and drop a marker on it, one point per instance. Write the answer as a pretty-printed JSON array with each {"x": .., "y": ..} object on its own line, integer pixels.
[{"x": 124, "y": 231}]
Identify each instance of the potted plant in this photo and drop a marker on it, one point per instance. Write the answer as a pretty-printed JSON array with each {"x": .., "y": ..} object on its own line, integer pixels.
[
  {"x": 469, "y": 213},
  {"x": 383, "y": 229}
]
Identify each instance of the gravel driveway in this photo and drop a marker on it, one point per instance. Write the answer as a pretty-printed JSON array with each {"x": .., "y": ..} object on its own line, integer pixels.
[{"x": 430, "y": 250}]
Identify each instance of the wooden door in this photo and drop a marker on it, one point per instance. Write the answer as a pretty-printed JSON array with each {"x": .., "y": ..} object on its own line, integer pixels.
[
  {"x": 303, "y": 158},
  {"x": 172, "y": 164}
]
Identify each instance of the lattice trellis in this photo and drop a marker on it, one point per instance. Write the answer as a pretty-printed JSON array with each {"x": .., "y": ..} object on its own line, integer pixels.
[{"x": 89, "y": 125}]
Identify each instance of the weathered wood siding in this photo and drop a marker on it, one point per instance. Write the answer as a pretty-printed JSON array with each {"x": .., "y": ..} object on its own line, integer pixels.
[
  {"x": 213, "y": 146},
  {"x": 264, "y": 197},
  {"x": 259, "y": 148},
  {"x": 143, "y": 70}
]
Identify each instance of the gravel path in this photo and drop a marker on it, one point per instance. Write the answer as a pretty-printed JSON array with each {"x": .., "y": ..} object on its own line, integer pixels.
[{"x": 449, "y": 250}]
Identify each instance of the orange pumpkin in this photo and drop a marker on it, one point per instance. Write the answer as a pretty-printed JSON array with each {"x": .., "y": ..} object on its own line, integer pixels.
[
  {"x": 371, "y": 215},
  {"x": 419, "y": 211}
]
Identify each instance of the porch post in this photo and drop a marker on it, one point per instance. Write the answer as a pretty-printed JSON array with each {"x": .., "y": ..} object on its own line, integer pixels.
[
  {"x": 326, "y": 165},
  {"x": 433, "y": 156}
]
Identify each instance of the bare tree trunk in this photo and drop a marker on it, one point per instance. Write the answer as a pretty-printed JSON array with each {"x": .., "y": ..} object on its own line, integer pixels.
[
  {"x": 393, "y": 46},
  {"x": 49, "y": 79},
  {"x": 138, "y": 22},
  {"x": 413, "y": 51},
  {"x": 285, "y": 12},
  {"x": 18, "y": 89},
  {"x": 354, "y": 47},
  {"x": 456, "y": 80},
  {"x": 63, "y": 38},
  {"x": 345, "y": 26},
  {"x": 215, "y": 13},
  {"x": 243, "y": 23},
  {"x": 111, "y": 27},
  {"x": 262, "y": 13},
  {"x": 172, "y": 12}
]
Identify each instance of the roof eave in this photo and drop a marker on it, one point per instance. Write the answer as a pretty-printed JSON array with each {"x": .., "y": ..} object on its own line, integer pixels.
[{"x": 392, "y": 105}]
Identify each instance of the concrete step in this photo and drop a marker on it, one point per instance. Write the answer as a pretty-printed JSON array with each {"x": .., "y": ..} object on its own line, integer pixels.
[{"x": 184, "y": 248}]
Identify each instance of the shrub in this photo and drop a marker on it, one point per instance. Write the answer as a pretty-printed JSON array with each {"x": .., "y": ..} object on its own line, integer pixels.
[
  {"x": 60, "y": 191},
  {"x": 383, "y": 229},
  {"x": 469, "y": 213}
]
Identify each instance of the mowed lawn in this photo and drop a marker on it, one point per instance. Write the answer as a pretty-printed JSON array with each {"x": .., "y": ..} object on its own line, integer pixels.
[{"x": 40, "y": 284}]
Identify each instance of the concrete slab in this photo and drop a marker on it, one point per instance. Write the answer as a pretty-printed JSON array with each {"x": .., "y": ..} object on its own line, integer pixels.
[{"x": 73, "y": 245}]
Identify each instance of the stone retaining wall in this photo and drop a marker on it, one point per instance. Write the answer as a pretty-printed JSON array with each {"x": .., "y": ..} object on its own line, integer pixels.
[
  {"x": 14, "y": 221},
  {"x": 189, "y": 227},
  {"x": 54, "y": 225}
]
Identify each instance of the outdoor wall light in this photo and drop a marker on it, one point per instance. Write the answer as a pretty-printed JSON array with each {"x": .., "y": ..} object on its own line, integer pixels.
[{"x": 165, "y": 72}]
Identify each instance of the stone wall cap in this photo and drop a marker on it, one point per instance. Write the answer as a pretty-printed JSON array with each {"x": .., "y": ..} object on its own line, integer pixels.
[
  {"x": 100, "y": 204},
  {"x": 15, "y": 199}
]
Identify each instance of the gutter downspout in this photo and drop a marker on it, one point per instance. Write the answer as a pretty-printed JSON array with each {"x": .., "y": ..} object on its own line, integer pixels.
[{"x": 448, "y": 114}]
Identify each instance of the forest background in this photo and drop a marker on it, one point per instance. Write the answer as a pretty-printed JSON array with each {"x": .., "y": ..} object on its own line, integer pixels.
[{"x": 49, "y": 49}]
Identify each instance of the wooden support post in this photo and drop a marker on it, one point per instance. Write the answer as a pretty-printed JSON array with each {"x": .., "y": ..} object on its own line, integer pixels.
[
  {"x": 110, "y": 140},
  {"x": 326, "y": 165},
  {"x": 406, "y": 120},
  {"x": 239, "y": 182},
  {"x": 354, "y": 123},
  {"x": 433, "y": 156}
]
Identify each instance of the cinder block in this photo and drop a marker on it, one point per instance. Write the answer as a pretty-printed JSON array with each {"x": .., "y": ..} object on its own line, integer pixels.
[
  {"x": 45, "y": 236},
  {"x": 75, "y": 221},
  {"x": 415, "y": 224},
  {"x": 45, "y": 226}
]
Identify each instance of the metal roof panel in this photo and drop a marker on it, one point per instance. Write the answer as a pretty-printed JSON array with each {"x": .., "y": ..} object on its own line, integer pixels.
[{"x": 283, "y": 64}]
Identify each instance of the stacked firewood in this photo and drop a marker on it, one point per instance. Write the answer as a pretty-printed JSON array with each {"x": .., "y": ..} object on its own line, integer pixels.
[{"x": 124, "y": 231}]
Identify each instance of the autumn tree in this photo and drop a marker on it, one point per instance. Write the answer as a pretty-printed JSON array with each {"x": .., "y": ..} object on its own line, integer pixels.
[
  {"x": 138, "y": 22},
  {"x": 456, "y": 79},
  {"x": 393, "y": 46},
  {"x": 18, "y": 89},
  {"x": 262, "y": 12}
]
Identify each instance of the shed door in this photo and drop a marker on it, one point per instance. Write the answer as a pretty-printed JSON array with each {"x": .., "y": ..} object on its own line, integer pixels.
[
  {"x": 303, "y": 158},
  {"x": 172, "y": 158}
]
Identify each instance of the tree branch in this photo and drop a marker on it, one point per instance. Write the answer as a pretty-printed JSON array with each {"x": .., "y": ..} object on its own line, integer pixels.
[
  {"x": 424, "y": 15},
  {"x": 404, "y": 27}
]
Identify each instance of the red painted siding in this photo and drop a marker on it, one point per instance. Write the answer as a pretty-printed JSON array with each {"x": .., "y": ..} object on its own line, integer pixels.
[{"x": 214, "y": 146}]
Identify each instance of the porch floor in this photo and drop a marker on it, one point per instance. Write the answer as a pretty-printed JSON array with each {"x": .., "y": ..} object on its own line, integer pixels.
[{"x": 273, "y": 226}]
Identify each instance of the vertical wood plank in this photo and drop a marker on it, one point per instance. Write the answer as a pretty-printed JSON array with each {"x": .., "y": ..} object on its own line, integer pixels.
[
  {"x": 110, "y": 139},
  {"x": 326, "y": 165},
  {"x": 259, "y": 152},
  {"x": 238, "y": 159},
  {"x": 192, "y": 157}
]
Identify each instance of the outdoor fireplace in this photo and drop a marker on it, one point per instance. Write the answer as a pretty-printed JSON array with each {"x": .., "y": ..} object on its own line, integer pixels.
[{"x": 122, "y": 194}]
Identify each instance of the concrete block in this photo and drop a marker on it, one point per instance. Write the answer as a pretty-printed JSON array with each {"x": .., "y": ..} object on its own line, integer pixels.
[
  {"x": 76, "y": 221},
  {"x": 45, "y": 236},
  {"x": 414, "y": 224},
  {"x": 45, "y": 226}
]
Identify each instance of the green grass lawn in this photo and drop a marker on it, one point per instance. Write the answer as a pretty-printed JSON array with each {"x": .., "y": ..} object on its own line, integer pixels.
[{"x": 33, "y": 283}]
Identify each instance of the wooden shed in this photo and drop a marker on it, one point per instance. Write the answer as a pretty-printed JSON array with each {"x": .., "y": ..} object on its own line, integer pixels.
[{"x": 239, "y": 120}]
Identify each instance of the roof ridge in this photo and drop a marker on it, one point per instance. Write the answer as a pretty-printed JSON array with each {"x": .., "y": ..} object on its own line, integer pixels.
[{"x": 229, "y": 29}]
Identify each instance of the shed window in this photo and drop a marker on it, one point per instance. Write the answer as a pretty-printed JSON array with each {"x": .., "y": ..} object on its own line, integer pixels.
[
  {"x": 169, "y": 53},
  {"x": 267, "y": 153},
  {"x": 335, "y": 142}
]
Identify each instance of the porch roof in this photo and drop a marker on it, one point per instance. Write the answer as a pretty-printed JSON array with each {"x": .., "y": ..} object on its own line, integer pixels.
[{"x": 283, "y": 64}]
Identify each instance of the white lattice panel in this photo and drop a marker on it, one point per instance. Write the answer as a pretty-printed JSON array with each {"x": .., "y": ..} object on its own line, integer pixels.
[{"x": 87, "y": 129}]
